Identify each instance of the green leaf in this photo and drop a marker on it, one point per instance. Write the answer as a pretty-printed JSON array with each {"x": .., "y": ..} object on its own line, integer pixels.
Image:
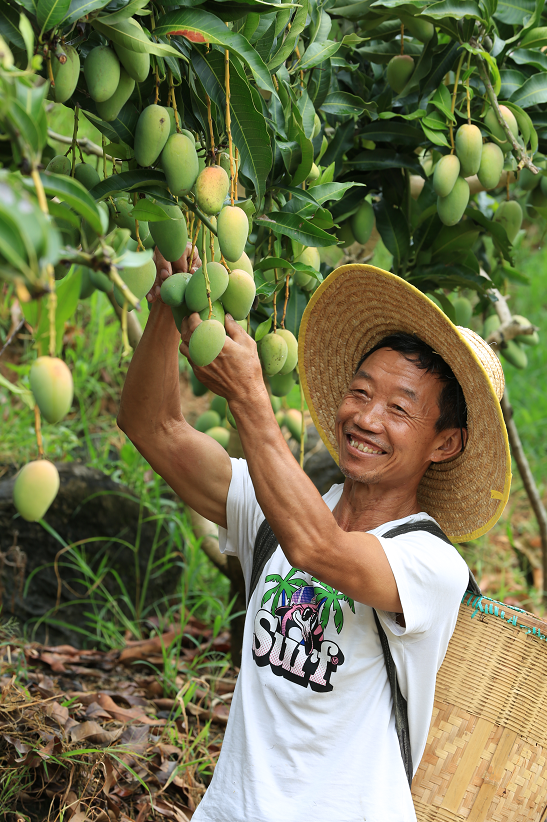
[
  {"x": 49, "y": 13},
  {"x": 134, "y": 6},
  {"x": 534, "y": 38},
  {"x": 71, "y": 192},
  {"x": 297, "y": 228},
  {"x": 332, "y": 191},
  {"x": 341, "y": 103},
  {"x": 417, "y": 114},
  {"x": 68, "y": 295},
  {"x": 315, "y": 54},
  {"x": 249, "y": 131},
  {"x": 514, "y": 12},
  {"x": 457, "y": 9},
  {"x": 134, "y": 259},
  {"x": 149, "y": 212},
  {"x": 24, "y": 394},
  {"x": 526, "y": 126},
  {"x": 128, "y": 181},
  {"x": 9, "y": 27},
  {"x": 295, "y": 309},
  {"x": 263, "y": 328},
  {"x": 297, "y": 27},
  {"x": 436, "y": 137},
  {"x": 511, "y": 80},
  {"x": 533, "y": 92},
  {"x": 393, "y": 132},
  {"x": 442, "y": 101},
  {"x": 214, "y": 31},
  {"x": 378, "y": 159},
  {"x": 530, "y": 57},
  {"x": 80, "y": 8},
  {"x": 393, "y": 229},
  {"x": 27, "y": 34},
  {"x": 496, "y": 231},
  {"x": 135, "y": 42}
]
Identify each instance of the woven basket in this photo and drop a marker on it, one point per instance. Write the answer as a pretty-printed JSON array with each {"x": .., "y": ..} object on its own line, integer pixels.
[{"x": 486, "y": 753}]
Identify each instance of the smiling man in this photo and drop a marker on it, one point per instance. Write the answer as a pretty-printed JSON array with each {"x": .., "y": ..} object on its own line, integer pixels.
[{"x": 409, "y": 406}]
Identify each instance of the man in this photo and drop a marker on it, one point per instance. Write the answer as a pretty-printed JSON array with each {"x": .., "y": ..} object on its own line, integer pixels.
[{"x": 311, "y": 728}]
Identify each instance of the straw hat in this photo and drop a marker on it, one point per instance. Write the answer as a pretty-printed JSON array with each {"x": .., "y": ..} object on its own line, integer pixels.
[{"x": 352, "y": 310}]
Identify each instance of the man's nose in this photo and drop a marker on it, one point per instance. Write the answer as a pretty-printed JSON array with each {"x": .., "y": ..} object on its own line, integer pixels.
[{"x": 370, "y": 416}]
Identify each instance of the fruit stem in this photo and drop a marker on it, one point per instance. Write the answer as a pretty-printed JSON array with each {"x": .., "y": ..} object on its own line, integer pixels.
[
  {"x": 140, "y": 245},
  {"x": 103, "y": 141},
  {"x": 237, "y": 169},
  {"x": 286, "y": 301},
  {"x": 402, "y": 38},
  {"x": 52, "y": 308},
  {"x": 75, "y": 138},
  {"x": 117, "y": 280},
  {"x": 523, "y": 157},
  {"x": 193, "y": 207},
  {"x": 38, "y": 429},
  {"x": 228, "y": 121},
  {"x": 211, "y": 133},
  {"x": 50, "y": 70},
  {"x": 173, "y": 101},
  {"x": 194, "y": 241},
  {"x": 157, "y": 90},
  {"x": 125, "y": 339},
  {"x": 212, "y": 246},
  {"x": 453, "y": 106},
  {"x": 205, "y": 274},
  {"x": 468, "y": 95}
]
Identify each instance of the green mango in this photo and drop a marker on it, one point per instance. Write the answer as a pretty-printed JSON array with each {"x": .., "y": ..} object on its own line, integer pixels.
[
  {"x": 273, "y": 352},
  {"x": 310, "y": 256},
  {"x": 314, "y": 174},
  {"x": 469, "y": 149},
  {"x": 219, "y": 405},
  {"x": 86, "y": 286},
  {"x": 345, "y": 235},
  {"x": 173, "y": 289},
  {"x": 292, "y": 355},
  {"x": 196, "y": 292},
  {"x": 463, "y": 310},
  {"x": 526, "y": 339},
  {"x": 136, "y": 63},
  {"x": 102, "y": 73},
  {"x": 211, "y": 188},
  {"x": 362, "y": 223},
  {"x": 293, "y": 421},
  {"x": 139, "y": 280},
  {"x": 109, "y": 109},
  {"x": 399, "y": 71},
  {"x": 180, "y": 163},
  {"x": 509, "y": 214},
  {"x": 198, "y": 388},
  {"x": 86, "y": 175},
  {"x": 451, "y": 208},
  {"x": 218, "y": 312},
  {"x": 276, "y": 403},
  {"x": 179, "y": 312},
  {"x": 445, "y": 175},
  {"x": 102, "y": 282},
  {"x": 243, "y": 263},
  {"x": 239, "y": 295},
  {"x": 499, "y": 135},
  {"x": 35, "y": 488},
  {"x": 66, "y": 75},
  {"x": 281, "y": 384},
  {"x": 418, "y": 27},
  {"x": 170, "y": 236},
  {"x": 206, "y": 342},
  {"x": 151, "y": 134},
  {"x": 316, "y": 126},
  {"x": 209, "y": 419},
  {"x": 232, "y": 232},
  {"x": 59, "y": 165},
  {"x": 491, "y": 166},
  {"x": 528, "y": 180},
  {"x": 491, "y": 324},
  {"x": 221, "y": 435},
  {"x": 51, "y": 383},
  {"x": 513, "y": 353}
]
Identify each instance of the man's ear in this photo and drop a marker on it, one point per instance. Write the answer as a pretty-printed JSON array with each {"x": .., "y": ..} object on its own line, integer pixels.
[{"x": 451, "y": 444}]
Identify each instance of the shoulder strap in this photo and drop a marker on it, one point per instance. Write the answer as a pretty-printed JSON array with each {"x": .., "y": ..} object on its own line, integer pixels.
[{"x": 265, "y": 544}]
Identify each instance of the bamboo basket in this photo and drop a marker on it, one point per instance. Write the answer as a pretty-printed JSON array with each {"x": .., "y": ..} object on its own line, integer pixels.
[{"x": 486, "y": 753}]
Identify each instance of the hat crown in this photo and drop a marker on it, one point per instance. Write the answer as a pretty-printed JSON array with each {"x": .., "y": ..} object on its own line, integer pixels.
[{"x": 487, "y": 358}]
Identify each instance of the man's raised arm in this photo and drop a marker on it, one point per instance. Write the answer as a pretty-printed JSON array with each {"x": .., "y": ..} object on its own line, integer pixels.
[{"x": 196, "y": 467}]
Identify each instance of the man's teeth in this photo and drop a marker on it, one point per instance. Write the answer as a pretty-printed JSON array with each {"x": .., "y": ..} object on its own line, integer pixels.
[{"x": 364, "y": 448}]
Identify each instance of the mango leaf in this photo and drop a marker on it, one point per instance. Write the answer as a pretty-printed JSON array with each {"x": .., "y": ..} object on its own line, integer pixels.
[
  {"x": 9, "y": 27},
  {"x": 532, "y": 92},
  {"x": 133, "y": 42},
  {"x": 296, "y": 227},
  {"x": 534, "y": 38},
  {"x": 457, "y": 9},
  {"x": 442, "y": 101},
  {"x": 435, "y": 136},
  {"x": 188, "y": 21},
  {"x": 315, "y": 55},
  {"x": 133, "y": 259},
  {"x": 249, "y": 130},
  {"x": 530, "y": 57},
  {"x": 27, "y": 33},
  {"x": 79, "y": 9},
  {"x": 24, "y": 394},
  {"x": 128, "y": 181},
  {"x": 37, "y": 314},
  {"x": 297, "y": 27},
  {"x": 264, "y": 328},
  {"x": 456, "y": 275},
  {"x": 496, "y": 231},
  {"x": 383, "y": 158},
  {"x": 71, "y": 192},
  {"x": 417, "y": 114},
  {"x": 526, "y": 126},
  {"x": 49, "y": 13},
  {"x": 514, "y": 12},
  {"x": 263, "y": 287},
  {"x": 396, "y": 133},
  {"x": 149, "y": 212},
  {"x": 133, "y": 7},
  {"x": 393, "y": 229},
  {"x": 269, "y": 263},
  {"x": 342, "y": 103},
  {"x": 511, "y": 80},
  {"x": 295, "y": 308}
]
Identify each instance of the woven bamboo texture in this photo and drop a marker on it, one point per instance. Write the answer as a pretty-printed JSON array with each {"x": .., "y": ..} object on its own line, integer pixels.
[{"x": 486, "y": 753}]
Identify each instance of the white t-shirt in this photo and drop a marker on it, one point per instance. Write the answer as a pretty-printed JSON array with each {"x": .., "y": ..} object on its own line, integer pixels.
[{"x": 311, "y": 733}]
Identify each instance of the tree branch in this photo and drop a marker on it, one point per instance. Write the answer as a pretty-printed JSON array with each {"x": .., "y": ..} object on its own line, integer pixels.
[
  {"x": 523, "y": 157},
  {"x": 86, "y": 145},
  {"x": 509, "y": 330}
]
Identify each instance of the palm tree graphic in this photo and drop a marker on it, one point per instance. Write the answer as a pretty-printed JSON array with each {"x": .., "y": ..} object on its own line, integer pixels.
[
  {"x": 332, "y": 599},
  {"x": 284, "y": 588}
]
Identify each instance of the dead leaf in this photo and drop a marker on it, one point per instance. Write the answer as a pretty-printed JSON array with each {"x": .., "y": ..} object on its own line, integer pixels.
[
  {"x": 57, "y": 712},
  {"x": 92, "y": 732}
]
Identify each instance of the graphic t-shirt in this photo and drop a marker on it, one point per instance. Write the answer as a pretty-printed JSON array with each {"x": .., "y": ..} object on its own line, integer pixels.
[{"x": 311, "y": 732}]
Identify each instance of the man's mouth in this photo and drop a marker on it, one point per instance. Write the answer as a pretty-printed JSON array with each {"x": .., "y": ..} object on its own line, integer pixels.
[{"x": 363, "y": 447}]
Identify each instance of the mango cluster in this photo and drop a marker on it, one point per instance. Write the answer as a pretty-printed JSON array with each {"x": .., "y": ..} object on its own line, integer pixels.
[
  {"x": 359, "y": 226},
  {"x": 512, "y": 350}
]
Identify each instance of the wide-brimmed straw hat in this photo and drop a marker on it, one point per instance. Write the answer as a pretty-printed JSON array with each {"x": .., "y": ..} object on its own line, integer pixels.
[{"x": 353, "y": 309}]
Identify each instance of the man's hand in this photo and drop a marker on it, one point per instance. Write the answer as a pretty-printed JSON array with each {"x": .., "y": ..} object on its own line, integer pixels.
[
  {"x": 236, "y": 373},
  {"x": 164, "y": 269}
]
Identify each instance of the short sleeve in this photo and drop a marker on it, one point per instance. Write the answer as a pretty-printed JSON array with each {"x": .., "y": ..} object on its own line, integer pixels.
[
  {"x": 431, "y": 579},
  {"x": 243, "y": 516}
]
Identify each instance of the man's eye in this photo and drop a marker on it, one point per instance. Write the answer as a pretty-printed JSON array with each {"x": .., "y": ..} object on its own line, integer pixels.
[{"x": 398, "y": 408}]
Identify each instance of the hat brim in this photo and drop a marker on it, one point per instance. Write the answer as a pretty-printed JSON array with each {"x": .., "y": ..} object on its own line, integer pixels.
[{"x": 350, "y": 312}]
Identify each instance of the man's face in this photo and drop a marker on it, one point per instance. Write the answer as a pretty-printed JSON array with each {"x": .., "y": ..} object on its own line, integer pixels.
[{"x": 385, "y": 425}]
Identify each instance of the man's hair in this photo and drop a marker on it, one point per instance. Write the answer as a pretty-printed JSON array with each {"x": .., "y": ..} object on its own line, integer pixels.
[{"x": 452, "y": 405}]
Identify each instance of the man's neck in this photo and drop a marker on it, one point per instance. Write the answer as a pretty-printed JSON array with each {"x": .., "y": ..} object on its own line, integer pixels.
[{"x": 364, "y": 507}]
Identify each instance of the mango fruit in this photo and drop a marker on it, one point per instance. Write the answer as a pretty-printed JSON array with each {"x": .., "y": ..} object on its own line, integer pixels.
[
  {"x": 171, "y": 235},
  {"x": 308, "y": 256},
  {"x": 243, "y": 262},
  {"x": 180, "y": 163},
  {"x": 35, "y": 489},
  {"x": 102, "y": 73},
  {"x": 543, "y": 185},
  {"x": 513, "y": 353},
  {"x": 211, "y": 188},
  {"x": 173, "y": 288},
  {"x": 316, "y": 126},
  {"x": 59, "y": 165},
  {"x": 52, "y": 386},
  {"x": 491, "y": 166},
  {"x": 528, "y": 180},
  {"x": 217, "y": 314},
  {"x": 66, "y": 75},
  {"x": 101, "y": 281},
  {"x": 282, "y": 384},
  {"x": 345, "y": 235},
  {"x": 172, "y": 121},
  {"x": 463, "y": 310},
  {"x": 121, "y": 216},
  {"x": 239, "y": 295},
  {"x": 109, "y": 109},
  {"x": 509, "y": 214},
  {"x": 221, "y": 435},
  {"x": 362, "y": 223},
  {"x": 215, "y": 257},
  {"x": 491, "y": 324},
  {"x": 151, "y": 134},
  {"x": 219, "y": 405},
  {"x": 230, "y": 418},
  {"x": 86, "y": 286},
  {"x": 419, "y": 28},
  {"x": 233, "y": 230},
  {"x": 526, "y": 339},
  {"x": 499, "y": 135},
  {"x": 198, "y": 388},
  {"x": 293, "y": 421},
  {"x": 209, "y": 419},
  {"x": 314, "y": 174},
  {"x": 86, "y": 175},
  {"x": 273, "y": 352},
  {"x": 139, "y": 280},
  {"x": 292, "y": 347},
  {"x": 179, "y": 312},
  {"x": 536, "y": 199},
  {"x": 196, "y": 292},
  {"x": 451, "y": 208},
  {"x": 399, "y": 71},
  {"x": 445, "y": 175},
  {"x": 206, "y": 342},
  {"x": 469, "y": 149},
  {"x": 136, "y": 63}
]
